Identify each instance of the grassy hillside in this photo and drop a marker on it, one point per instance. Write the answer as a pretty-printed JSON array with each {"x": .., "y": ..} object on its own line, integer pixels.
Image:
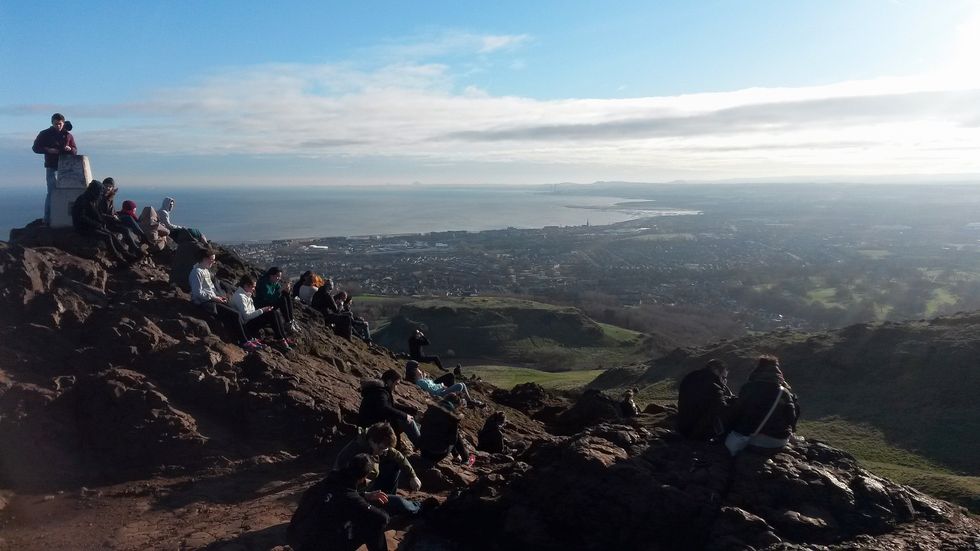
[
  {"x": 507, "y": 377},
  {"x": 514, "y": 331}
]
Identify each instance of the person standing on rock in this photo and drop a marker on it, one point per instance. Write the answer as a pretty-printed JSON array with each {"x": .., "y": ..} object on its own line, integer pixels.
[
  {"x": 378, "y": 405},
  {"x": 378, "y": 441},
  {"x": 333, "y": 514},
  {"x": 205, "y": 295},
  {"x": 52, "y": 143},
  {"x": 764, "y": 416},
  {"x": 703, "y": 402}
]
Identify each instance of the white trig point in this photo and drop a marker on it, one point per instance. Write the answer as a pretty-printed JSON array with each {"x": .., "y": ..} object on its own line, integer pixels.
[{"x": 74, "y": 174}]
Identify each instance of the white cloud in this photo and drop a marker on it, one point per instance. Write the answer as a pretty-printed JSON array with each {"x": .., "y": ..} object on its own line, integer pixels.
[{"x": 492, "y": 43}]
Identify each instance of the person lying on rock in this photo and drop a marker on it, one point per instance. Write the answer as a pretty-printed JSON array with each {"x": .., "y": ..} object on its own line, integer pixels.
[
  {"x": 254, "y": 318},
  {"x": 269, "y": 292},
  {"x": 765, "y": 415},
  {"x": 333, "y": 514},
  {"x": 704, "y": 402},
  {"x": 358, "y": 324},
  {"x": 378, "y": 405},
  {"x": 440, "y": 433},
  {"x": 205, "y": 295},
  {"x": 438, "y": 387},
  {"x": 415, "y": 343},
  {"x": 87, "y": 221},
  {"x": 323, "y": 301},
  {"x": 378, "y": 441}
]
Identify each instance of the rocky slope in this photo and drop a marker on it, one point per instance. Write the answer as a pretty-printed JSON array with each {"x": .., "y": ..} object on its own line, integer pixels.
[{"x": 127, "y": 421}]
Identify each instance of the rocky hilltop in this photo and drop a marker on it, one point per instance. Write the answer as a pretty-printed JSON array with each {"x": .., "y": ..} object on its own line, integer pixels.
[{"x": 129, "y": 421}]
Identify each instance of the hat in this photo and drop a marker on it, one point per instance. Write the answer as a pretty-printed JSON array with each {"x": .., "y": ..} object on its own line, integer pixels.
[{"x": 129, "y": 205}]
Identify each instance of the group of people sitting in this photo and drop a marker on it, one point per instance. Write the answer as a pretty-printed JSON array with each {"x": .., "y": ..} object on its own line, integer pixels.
[
  {"x": 761, "y": 418},
  {"x": 123, "y": 232},
  {"x": 354, "y": 503},
  {"x": 319, "y": 293}
]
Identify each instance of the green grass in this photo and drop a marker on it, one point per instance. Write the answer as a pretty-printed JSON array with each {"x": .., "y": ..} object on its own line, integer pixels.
[
  {"x": 620, "y": 336},
  {"x": 940, "y": 297},
  {"x": 870, "y": 447},
  {"x": 824, "y": 295},
  {"x": 507, "y": 377}
]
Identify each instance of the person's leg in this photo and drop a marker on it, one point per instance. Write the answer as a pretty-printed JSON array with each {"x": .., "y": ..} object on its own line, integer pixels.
[
  {"x": 447, "y": 379},
  {"x": 229, "y": 316},
  {"x": 369, "y": 530},
  {"x": 52, "y": 179},
  {"x": 387, "y": 480},
  {"x": 460, "y": 448},
  {"x": 433, "y": 360},
  {"x": 411, "y": 429},
  {"x": 399, "y": 506},
  {"x": 286, "y": 307},
  {"x": 278, "y": 325},
  {"x": 459, "y": 387}
]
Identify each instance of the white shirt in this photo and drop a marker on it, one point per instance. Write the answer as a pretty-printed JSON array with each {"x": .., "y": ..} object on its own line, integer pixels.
[
  {"x": 242, "y": 301},
  {"x": 305, "y": 293},
  {"x": 202, "y": 289}
]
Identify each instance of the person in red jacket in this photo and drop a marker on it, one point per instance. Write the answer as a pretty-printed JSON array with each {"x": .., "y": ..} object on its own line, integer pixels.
[{"x": 53, "y": 142}]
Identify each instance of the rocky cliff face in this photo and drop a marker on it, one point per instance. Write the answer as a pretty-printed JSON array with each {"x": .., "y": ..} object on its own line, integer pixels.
[{"x": 108, "y": 375}]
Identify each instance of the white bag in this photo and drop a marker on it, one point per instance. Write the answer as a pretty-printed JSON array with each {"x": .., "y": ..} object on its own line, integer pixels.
[{"x": 736, "y": 441}]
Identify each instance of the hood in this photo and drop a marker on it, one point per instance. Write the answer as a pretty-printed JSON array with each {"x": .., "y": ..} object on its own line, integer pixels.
[
  {"x": 166, "y": 201},
  {"x": 369, "y": 385}
]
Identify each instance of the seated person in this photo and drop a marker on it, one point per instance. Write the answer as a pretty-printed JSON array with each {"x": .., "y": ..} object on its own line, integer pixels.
[
  {"x": 205, "y": 295},
  {"x": 358, "y": 325},
  {"x": 764, "y": 416},
  {"x": 627, "y": 406},
  {"x": 180, "y": 234},
  {"x": 333, "y": 514},
  {"x": 378, "y": 405},
  {"x": 491, "y": 437},
  {"x": 156, "y": 234},
  {"x": 440, "y": 433},
  {"x": 415, "y": 344},
  {"x": 323, "y": 302},
  {"x": 438, "y": 387},
  {"x": 253, "y": 318},
  {"x": 378, "y": 441},
  {"x": 703, "y": 402},
  {"x": 130, "y": 231},
  {"x": 269, "y": 292},
  {"x": 86, "y": 219},
  {"x": 304, "y": 288},
  {"x": 128, "y": 218}
]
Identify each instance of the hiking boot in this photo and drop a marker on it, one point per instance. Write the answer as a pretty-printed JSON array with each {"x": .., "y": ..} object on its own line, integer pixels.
[
  {"x": 249, "y": 345},
  {"x": 293, "y": 327},
  {"x": 285, "y": 345},
  {"x": 471, "y": 460}
]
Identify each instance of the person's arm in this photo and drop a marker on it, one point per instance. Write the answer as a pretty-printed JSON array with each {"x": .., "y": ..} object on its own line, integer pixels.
[
  {"x": 402, "y": 462},
  {"x": 71, "y": 145},
  {"x": 42, "y": 146},
  {"x": 200, "y": 292}
]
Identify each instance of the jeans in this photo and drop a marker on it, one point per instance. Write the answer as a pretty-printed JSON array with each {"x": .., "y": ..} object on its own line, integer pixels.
[
  {"x": 411, "y": 429},
  {"x": 52, "y": 178},
  {"x": 458, "y": 387},
  {"x": 387, "y": 482}
]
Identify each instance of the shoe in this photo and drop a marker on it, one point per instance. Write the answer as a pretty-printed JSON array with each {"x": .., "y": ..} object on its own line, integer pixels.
[
  {"x": 475, "y": 403},
  {"x": 293, "y": 326},
  {"x": 471, "y": 460},
  {"x": 259, "y": 345},
  {"x": 249, "y": 345},
  {"x": 285, "y": 345}
]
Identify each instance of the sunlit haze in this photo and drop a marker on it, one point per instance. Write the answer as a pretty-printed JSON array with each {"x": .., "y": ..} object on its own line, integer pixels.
[{"x": 226, "y": 93}]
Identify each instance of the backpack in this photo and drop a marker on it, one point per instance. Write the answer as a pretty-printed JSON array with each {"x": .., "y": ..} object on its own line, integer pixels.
[{"x": 307, "y": 529}]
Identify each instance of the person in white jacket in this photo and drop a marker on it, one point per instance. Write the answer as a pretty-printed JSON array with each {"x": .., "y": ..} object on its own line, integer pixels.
[
  {"x": 253, "y": 318},
  {"x": 205, "y": 295}
]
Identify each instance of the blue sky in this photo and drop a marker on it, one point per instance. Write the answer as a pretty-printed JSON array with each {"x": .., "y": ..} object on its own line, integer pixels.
[{"x": 234, "y": 93}]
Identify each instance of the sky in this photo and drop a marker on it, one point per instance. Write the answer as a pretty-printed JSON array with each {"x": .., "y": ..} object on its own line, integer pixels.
[{"x": 244, "y": 94}]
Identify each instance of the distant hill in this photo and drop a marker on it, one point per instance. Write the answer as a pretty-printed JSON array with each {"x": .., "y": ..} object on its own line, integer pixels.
[
  {"x": 518, "y": 331},
  {"x": 903, "y": 395}
]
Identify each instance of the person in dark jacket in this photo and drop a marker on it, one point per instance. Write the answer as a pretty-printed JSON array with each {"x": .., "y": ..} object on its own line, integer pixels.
[
  {"x": 378, "y": 441},
  {"x": 703, "y": 402},
  {"x": 491, "y": 437},
  {"x": 378, "y": 405},
  {"x": 334, "y": 515},
  {"x": 359, "y": 325},
  {"x": 766, "y": 386},
  {"x": 131, "y": 232},
  {"x": 627, "y": 406},
  {"x": 324, "y": 302},
  {"x": 415, "y": 344},
  {"x": 440, "y": 432},
  {"x": 87, "y": 221},
  {"x": 269, "y": 292},
  {"x": 53, "y": 142}
]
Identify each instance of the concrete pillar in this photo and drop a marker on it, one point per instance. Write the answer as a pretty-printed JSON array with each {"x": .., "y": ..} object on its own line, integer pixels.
[{"x": 74, "y": 174}]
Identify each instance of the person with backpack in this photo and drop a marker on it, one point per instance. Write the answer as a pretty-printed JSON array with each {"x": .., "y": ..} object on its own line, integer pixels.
[
  {"x": 440, "y": 433},
  {"x": 378, "y": 405},
  {"x": 378, "y": 441},
  {"x": 766, "y": 412},
  {"x": 333, "y": 514},
  {"x": 703, "y": 402},
  {"x": 253, "y": 318},
  {"x": 269, "y": 292}
]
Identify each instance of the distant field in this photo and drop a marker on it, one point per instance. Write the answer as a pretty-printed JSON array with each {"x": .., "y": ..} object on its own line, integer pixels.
[
  {"x": 507, "y": 377},
  {"x": 872, "y": 450}
]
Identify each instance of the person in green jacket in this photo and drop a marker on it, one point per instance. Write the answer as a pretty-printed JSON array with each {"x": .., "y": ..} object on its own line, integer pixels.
[{"x": 269, "y": 292}]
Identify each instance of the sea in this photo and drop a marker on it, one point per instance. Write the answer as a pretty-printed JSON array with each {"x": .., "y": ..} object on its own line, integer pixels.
[{"x": 260, "y": 215}]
